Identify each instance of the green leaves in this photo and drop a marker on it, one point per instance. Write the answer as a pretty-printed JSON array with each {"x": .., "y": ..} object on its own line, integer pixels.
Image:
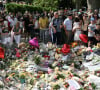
[
  {"x": 60, "y": 76},
  {"x": 37, "y": 59},
  {"x": 56, "y": 87},
  {"x": 32, "y": 81},
  {"x": 40, "y": 7},
  {"x": 22, "y": 76},
  {"x": 93, "y": 86},
  {"x": 46, "y": 3}
]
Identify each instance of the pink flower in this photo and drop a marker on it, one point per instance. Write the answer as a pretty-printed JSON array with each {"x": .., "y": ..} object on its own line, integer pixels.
[
  {"x": 89, "y": 49},
  {"x": 7, "y": 79},
  {"x": 18, "y": 54},
  {"x": 49, "y": 70}
]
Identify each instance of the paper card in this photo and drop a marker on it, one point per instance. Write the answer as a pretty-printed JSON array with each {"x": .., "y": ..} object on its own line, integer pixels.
[
  {"x": 64, "y": 58},
  {"x": 94, "y": 68},
  {"x": 74, "y": 84},
  {"x": 91, "y": 67},
  {"x": 94, "y": 79},
  {"x": 65, "y": 67}
]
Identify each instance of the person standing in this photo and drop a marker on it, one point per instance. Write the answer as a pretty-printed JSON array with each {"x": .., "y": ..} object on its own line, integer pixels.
[
  {"x": 91, "y": 28},
  {"x": 85, "y": 24},
  {"x": 43, "y": 23},
  {"x": 1, "y": 5},
  {"x": 96, "y": 15},
  {"x": 76, "y": 29},
  {"x": 68, "y": 28},
  {"x": 31, "y": 27},
  {"x": 36, "y": 27},
  {"x": 1, "y": 20},
  {"x": 26, "y": 27},
  {"x": 16, "y": 30},
  {"x": 97, "y": 33},
  {"x": 5, "y": 32},
  {"x": 56, "y": 25}
]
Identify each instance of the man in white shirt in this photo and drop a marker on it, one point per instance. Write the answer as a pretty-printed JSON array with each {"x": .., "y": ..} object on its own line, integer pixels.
[{"x": 68, "y": 28}]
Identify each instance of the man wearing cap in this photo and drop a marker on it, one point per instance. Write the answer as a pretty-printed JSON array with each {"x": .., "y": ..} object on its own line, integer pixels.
[{"x": 68, "y": 28}]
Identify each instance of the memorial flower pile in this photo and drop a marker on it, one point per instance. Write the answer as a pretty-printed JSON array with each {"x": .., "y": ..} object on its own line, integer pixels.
[{"x": 50, "y": 67}]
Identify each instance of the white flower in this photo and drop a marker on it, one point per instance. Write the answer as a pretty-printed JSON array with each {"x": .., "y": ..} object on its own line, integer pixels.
[
  {"x": 54, "y": 64},
  {"x": 41, "y": 50},
  {"x": 1, "y": 83}
]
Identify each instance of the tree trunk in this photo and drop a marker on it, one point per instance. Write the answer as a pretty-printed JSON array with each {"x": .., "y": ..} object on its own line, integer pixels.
[
  {"x": 78, "y": 4},
  {"x": 93, "y": 4}
]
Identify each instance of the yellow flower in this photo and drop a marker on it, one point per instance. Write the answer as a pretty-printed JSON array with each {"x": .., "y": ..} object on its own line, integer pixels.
[
  {"x": 42, "y": 76},
  {"x": 74, "y": 44},
  {"x": 56, "y": 68}
]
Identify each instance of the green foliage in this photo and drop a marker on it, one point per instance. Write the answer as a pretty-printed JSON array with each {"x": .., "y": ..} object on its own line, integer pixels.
[
  {"x": 93, "y": 86},
  {"x": 32, "y": 81},
  {"x": 81, "y": 89},
  {"x": 22, "y": 76},
  {"x": 21, "y": 8},
  {"x": 13, "y": 7},
  {"x": 74, "y": 74},
  {"x": 26, "y": 58},
  {"x": 46, "y": 3},
  {"x": 56, "y": 87},
  {"x": 60, "y": 76},
  {"x": 37, "y": 59}
]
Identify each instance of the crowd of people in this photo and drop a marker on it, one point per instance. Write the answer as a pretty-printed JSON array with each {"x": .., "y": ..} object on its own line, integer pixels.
[{"x": 62, "y": 26}]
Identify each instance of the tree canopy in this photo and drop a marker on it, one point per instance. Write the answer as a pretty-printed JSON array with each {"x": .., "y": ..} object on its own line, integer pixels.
[
  {"x": 46, "y": 3},
  {"x": 63, "y": 3}
]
